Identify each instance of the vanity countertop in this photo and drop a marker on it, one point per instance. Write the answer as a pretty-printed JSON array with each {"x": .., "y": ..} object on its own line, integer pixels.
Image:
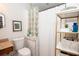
[{"x": 6, "y": 44}]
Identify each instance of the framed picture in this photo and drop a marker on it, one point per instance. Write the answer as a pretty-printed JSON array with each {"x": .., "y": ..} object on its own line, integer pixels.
[
  {"x": 1, "y": 20},
  {"x": 17, "y": 26}
]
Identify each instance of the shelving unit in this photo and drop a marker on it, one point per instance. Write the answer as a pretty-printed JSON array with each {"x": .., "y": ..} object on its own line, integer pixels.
[
  {"x": 65, "y": 14},
  {"x": 69, "y": 32}
]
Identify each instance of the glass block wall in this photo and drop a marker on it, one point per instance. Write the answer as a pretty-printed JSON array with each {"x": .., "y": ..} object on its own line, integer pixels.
[{"x": 33, "y": 22}]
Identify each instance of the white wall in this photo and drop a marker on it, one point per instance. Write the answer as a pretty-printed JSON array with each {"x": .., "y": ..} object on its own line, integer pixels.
[
  {"x": 47, "y": 30},
  {"x": 72, "y": 5},
  {"x": 13, "y": 11}
]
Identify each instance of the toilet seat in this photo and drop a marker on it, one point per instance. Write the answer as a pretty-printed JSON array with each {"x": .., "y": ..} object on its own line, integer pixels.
[{"x": 24, "y": 52}]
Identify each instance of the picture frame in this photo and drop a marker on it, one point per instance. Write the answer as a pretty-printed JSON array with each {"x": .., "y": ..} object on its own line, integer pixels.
[
  {"x": 2, "y": 17},
  {"x": 17, "y": 26}
]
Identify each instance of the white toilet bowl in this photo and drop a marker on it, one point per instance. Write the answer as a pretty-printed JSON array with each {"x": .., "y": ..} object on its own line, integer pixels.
[{"x": 24, "y": 52}]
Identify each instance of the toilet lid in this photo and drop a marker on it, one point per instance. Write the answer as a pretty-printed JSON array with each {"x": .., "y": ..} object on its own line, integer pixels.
[{"x": 24, "y": 51}]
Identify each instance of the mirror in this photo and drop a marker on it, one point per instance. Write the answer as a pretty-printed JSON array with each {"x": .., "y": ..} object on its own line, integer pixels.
[{"x": 1, "y": 20}]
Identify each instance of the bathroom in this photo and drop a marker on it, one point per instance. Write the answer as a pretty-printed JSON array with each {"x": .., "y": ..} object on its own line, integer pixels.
[
  {"x": 19, "y": 13},
  {"x": 30, "y": 29}
]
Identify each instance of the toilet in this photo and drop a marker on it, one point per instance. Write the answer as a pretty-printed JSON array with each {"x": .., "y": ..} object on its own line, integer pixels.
[{"x": 19, "y": 46}]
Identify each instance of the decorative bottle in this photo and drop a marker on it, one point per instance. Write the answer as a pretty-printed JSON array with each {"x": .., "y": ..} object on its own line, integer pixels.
[{"x": 75, "y": 27}]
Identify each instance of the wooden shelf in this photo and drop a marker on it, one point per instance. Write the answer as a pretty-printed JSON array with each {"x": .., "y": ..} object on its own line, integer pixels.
[
  {"x": 69, "y": 32},
  {"x": 66, "y": 50},
  {"x": 68, "y": 13}
]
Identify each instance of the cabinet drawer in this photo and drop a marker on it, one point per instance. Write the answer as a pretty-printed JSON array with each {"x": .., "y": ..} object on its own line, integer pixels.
[{"x": 6, "y": 51}]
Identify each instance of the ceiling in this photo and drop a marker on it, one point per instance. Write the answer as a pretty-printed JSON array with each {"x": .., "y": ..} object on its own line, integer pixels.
[{"x": 45, "y": 6}]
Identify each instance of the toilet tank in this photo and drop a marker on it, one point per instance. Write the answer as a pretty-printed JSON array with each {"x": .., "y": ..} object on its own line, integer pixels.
[{"x": 18, "y": 43}]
